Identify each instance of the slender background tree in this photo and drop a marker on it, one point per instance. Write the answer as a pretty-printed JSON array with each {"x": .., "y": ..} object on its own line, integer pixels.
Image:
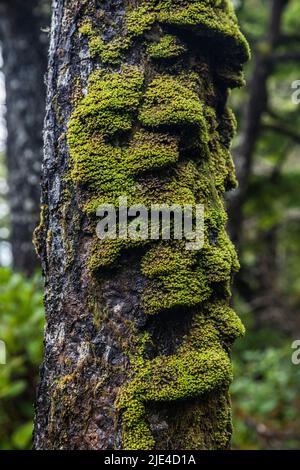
[
  {"x": 24, "y": 49},
  {"x": 264, "y": 156}
]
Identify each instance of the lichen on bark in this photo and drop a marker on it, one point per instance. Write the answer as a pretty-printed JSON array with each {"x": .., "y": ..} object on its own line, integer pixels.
[{"x": 153, "y": 125}]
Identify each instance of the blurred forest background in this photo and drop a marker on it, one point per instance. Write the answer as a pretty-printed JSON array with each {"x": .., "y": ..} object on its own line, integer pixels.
[{"x": 264, "y": 222}]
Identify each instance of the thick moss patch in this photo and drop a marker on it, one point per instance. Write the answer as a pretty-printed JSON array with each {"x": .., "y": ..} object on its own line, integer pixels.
[{"x": 205, "y": 18}]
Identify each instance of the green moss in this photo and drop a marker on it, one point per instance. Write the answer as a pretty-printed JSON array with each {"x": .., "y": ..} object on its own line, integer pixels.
[
  {"x": 136, "y": 432},
  {"x": 199, "y": 366},
  {"x": 105, "y": 253},
  {"x": 173, "y": 101},
  {"x": 205, "y": 18},
  {"x": 212, "y": 18},
  {"x": 86, "y": 28},
  {"x": 140, "y": 19},
  {"x": 226, "y": 321},
  {"x": 108, "y": 110},
  {"x": 188, "y": 374},
  {"x": 175, "y": 278},
  {"x": 109, "y": 171},
  {"x": 221, "y": 163},
  {"x": 148, "y": 150},
  {"x": 168, "y": 47},
  {"x": 219, "y": 261},
  {"x": 96, "y": 46},
  {"x": 109, "y": 53}
]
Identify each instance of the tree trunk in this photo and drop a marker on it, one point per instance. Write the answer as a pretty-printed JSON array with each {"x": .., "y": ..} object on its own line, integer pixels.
[
  {"x": 24, "y": 49},
  {"x": 257, "y": 105},
  {"x": 138, "y": 333}
]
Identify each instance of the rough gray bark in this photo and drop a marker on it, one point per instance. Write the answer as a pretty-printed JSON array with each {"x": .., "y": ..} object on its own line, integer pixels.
[
  {"x": 98, "y": 326},
  {"x": 24, "y": 49}
]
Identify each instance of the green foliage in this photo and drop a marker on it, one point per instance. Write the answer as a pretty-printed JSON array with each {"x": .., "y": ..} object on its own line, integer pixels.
[
  {"x": 265, "y": 395},
  {"x": 266, "y": 386},
  {"x": 4, "y": 211},
  {"x": 21, "y": 328}
]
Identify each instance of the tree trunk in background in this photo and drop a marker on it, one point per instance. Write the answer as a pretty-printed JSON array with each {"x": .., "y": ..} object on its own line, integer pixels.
[
  {"x": 24, "y": 49},
  {"x": 257, "y": 105},
  {"x": 138, "y": 333}
]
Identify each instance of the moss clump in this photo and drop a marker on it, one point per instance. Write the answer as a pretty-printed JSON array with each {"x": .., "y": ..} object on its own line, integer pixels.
[
  {"x": 199, "y": 366},
  {"x": 208, "y": 18},
  {"x": 173, "y": 101},
  {"x": 168, "y": 47},
  {"x": 175, "y": 278},
  {"x": 226, "y": 321},
  {"x": 221, "y": 163},
  {"x": 110, "y": 53},
  {"x": 109, "y": 105},
  {"x": 193, "y": 371},
  {"x": 178, "y": 278},
  {"x": 140, "y": 19},
  {"x": 108, "y": 111},
  {"x": 148, "y": 150},
  {"x": 219, "y": 261},
  {"x": 86, "y": 28}
]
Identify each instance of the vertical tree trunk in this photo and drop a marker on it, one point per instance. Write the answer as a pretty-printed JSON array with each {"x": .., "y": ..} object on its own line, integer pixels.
[
  {"x": 257, "y": 105},
  {"x": 138, "y": 334},
  {"x": 24, "y": 48}
]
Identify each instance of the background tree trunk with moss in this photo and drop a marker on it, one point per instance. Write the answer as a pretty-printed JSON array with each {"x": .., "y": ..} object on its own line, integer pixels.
[
  {"x": 138, "y": 333},
  {"x": 24, "y": 47}
]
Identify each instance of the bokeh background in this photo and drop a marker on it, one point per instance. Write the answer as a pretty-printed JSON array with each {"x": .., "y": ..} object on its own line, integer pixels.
[{"x": 264, "y": 223}]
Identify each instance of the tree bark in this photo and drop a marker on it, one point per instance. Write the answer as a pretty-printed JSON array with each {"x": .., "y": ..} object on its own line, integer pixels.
[
  {"x": 24, "y": 49},
  {"x": 138, "y": 334}
]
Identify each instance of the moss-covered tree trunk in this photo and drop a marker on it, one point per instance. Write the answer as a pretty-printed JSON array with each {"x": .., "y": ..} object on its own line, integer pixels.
[
  {"x": 138, "y": 333},
  {"x": 24, "y": 49}
]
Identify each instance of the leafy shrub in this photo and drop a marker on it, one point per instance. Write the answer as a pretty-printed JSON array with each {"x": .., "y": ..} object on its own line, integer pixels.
[
  {"x": 21, "y": 328},
  {"x": 265, "y": 395}
]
